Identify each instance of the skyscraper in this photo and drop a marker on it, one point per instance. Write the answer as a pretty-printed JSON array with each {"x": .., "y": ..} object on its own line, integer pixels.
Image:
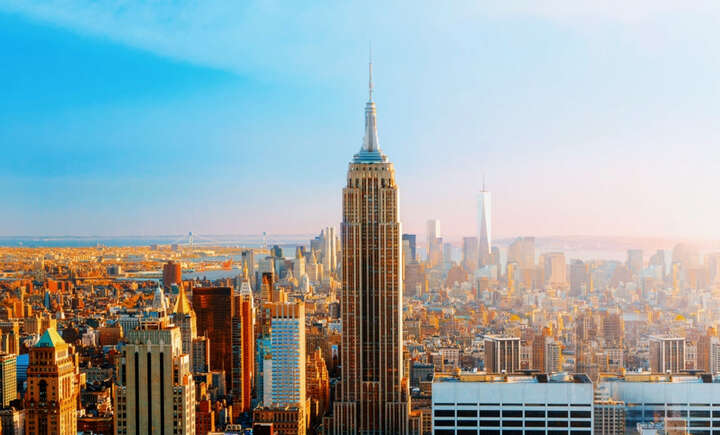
[
  {"x": 184, "y": 317},
  {"x": 285, "y": 401},
  {"x": 484, "y": 228},
  {"x": 667, "y": 354},
  {"x": 8, "y": 378},
  {"x": 214, "y": 308},
  {"x": 243, "y": 344},
  {"x": 502, "y": 354},
  {"x": 156, "y": 390},
  {"x": 172, "y": 274},
  {"x": 471, "y": 255},
  {"x": 433, "y": 244},
  {"x": 52, "y": 387},
  {"x": 374, "y": 396}
]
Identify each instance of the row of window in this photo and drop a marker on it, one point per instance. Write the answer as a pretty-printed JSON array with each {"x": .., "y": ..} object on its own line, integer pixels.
[
  {"x": 513, "y": 423},
  {"x": 511, "y": 413},
  {"x": 510, "y": 432}
]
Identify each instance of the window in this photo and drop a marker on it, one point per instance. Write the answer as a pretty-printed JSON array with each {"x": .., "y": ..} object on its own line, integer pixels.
[{"x": 42, "y": 391}]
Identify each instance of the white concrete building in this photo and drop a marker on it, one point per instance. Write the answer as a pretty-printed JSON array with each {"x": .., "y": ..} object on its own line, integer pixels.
[{"x": 512, "y": 404}]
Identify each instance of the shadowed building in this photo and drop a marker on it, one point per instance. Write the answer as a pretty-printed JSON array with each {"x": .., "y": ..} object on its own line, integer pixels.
[{"x": 214, "y": 308}]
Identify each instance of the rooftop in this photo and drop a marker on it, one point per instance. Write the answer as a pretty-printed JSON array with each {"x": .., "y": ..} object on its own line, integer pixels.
[
  {"x": 50, "y": 338},
  {"x": 515, "y": 378}
]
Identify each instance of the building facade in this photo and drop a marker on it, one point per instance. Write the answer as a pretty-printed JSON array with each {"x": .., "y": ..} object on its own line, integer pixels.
[
  {"x": 52, "y": 387},
  {"x": 374, "y": 394},
  {"x": 155, "y": 391},
  {"x": 214, "y": 309},
  {"x": 512, "y": 404}
]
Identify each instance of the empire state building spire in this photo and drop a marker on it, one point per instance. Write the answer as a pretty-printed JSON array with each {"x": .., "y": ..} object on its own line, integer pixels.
[{"x": 370, "y": 151}]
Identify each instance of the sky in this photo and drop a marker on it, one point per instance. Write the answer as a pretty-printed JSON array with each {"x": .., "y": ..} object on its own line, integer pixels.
[{"x": 149, "y": 118}]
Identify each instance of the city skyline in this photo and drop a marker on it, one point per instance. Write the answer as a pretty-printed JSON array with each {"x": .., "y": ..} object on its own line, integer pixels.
[{"x": 131, "y": 127}]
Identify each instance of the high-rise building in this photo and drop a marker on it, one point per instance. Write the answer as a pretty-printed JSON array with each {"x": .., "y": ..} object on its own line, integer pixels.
[
  {"x": 284, "y": 372},
  {"x": 288, "y": 354},
  {"x": 522, "y": 251},
  {"x": 172, "y": 274},
  {"x": 243, "y": 344},
  {"x": 200, "y": 355},
  {"x": 555, "y": 269},
  {"x": 184, "y": 317},
  {"x": 52, "y": 387},
  {"x": 410, "y": 250},
  {"x": 8, "y": 378},
  {"x": 667, "y": 354},
  {"x": 512, "y": 404},
  {"x": 471, "y": 254},
  {"x": 329, "y": 249},
  {"x": 433, "y": 243},
  {"x": 685, "y": 404},
  {"x": 553, "y": 356},
  {"x": 484, "y": 226},
  {"x": 214, "y": 309},
  {"x": 502, "y": 354},
  {"x": 635, "y": 261},
  {"x": 374, "y": 394},
  {"x": 155, "y": 388},
  {"x": 578, "y": 278}
]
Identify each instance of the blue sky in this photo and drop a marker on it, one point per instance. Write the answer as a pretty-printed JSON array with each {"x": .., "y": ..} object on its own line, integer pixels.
[{"x": 217, "y": 118}]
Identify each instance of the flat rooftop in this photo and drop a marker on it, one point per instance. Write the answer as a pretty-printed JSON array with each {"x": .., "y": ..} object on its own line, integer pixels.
[{"x": 515, "y": 378}]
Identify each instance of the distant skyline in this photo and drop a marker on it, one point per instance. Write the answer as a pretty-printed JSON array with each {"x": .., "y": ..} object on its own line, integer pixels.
[{"x": 215, "y": 118}]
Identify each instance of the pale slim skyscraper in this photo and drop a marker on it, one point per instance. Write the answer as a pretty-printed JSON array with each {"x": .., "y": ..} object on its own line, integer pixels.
[{"x": 484, "y": 228}]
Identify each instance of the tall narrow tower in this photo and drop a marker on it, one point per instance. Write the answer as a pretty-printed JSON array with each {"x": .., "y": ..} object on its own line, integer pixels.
[
  {"x": 373, "y": 392},
  {"x": 484, "y": 220}
]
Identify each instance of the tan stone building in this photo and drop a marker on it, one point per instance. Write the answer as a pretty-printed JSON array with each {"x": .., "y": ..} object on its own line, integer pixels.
[{"x": 52, "y": 387}]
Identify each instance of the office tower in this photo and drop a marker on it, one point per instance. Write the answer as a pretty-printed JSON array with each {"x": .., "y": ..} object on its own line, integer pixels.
[
  {"x": 172, "y": 274},
  {"x": 248, "y": 261},
  {"x": 8, "y": 378},
  {"x": 329, "y": 249},
  {"x": 658, "y": 259},
  {"x": 555, "y": 269},
  {"x": 52, "y": 387},
  {"x": 522, "y": 251},
  {"x": 686, "y": 404},
  {"x": 288, "y": 354},
  {"x": 433, "y": 244},
  {"x": 155, "y": 388},
  {"x": 493, "y": 404},
  {"x": 285, "y": 382},
  {"x": 200, "y": 355},
  {"x": 613, "y": 328},
  {"x": 635, "y": 261},
  {"x": 667, "y": 354},
  {"x": 502, "y": 354},
  {"x": 553, "y": 356},
  {"x": 184, "y": 317},
  {"x": 484, "y": 228},
  {"x": 373, "y": 396},
  {"x": 578, "y": 278},
  {"x": 609, "y": 417},
  {"x": 317, "y": 382},
  {"x": 411, "y": 253},
  {"x": 539, "y": 352},
  {"x": 471, "y": 255},
  {"x": 204, "y": 417},
  {"x": 214, "y": 309},
  {"x": 243, "y": 344}
]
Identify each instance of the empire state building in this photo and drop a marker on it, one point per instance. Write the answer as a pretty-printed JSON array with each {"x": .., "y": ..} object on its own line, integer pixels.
[{"x": 373, "y": 391}]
